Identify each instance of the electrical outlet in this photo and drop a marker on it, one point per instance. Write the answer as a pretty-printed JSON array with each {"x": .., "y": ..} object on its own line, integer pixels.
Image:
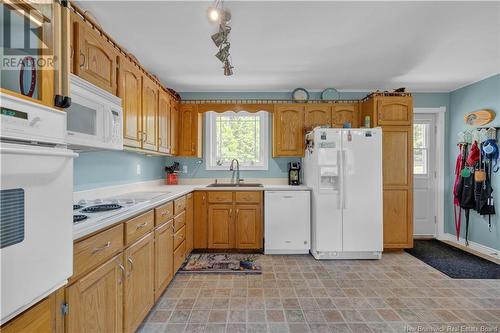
[
  {"x": 184, "y": 169},
  {"x": 138, "y": 169}
]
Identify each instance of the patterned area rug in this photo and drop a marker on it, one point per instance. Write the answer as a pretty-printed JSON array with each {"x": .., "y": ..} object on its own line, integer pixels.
[{"x": 222, "y": 263}]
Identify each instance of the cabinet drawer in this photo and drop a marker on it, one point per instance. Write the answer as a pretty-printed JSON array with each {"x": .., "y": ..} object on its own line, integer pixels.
[
  {"x": 179, "y": 237},
  {"x": 97, "y": 249},
  {"x": 248, "y": 197},
  {"x": 164, "y": 213},
  {"x": 139, "y": 226},
  {"x": 226, "y": 197},
  {"x": 179, "y": 256},
  {"x": 179, "y": 205},
  {"x": 179, "y": 221}
]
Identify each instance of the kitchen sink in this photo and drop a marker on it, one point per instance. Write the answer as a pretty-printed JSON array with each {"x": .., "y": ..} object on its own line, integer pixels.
[{"x": 235, "y": 185}]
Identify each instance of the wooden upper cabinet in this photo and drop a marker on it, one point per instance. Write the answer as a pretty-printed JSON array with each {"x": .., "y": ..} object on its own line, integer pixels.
[
  {"x": 129, "y": 90},
  {"x": 345, "y": 113},
  {"x": 164, "y": 103},
  {"x": 149, "y": 114},
  {"x": 317, "y": 115},
  {"x": 220, "y": 226},
  {"x": 288, "y": 130},
  {"x": 96, "y": 300},
  {"x": 95, "y": 57},
  {"x": 189, "y": 131},
  {"x": 174, "y": 128},
  {"x": 139, "y": 282},
  {"x": 393, "y": 110},
  {"x": 248, "y": 221}
]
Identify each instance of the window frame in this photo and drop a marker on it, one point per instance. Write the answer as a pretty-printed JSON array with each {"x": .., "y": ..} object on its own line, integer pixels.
[{"x": 210, "y": 139}]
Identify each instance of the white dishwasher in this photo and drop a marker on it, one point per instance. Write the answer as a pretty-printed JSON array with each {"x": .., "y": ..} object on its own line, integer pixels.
[{"x": 287, "y": 222}]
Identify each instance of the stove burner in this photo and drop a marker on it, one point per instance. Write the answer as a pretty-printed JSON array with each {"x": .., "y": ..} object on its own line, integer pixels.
[
  {"x": 101, "y": 208},
  {"x": 79, "y": 217},
  {"x": 75, "y": 207}
]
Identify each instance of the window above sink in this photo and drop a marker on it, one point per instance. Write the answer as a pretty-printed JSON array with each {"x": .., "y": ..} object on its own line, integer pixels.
[{"x": 240, "y": 135}]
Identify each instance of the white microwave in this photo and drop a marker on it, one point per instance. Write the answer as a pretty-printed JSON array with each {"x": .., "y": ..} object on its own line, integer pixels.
[{"x": 94, "y": 119}]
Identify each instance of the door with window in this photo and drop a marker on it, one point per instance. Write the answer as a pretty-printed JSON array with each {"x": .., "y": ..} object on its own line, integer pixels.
[{"x": 424, "y": 175}]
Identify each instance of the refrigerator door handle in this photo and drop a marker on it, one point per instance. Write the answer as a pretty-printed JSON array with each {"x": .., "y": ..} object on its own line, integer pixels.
[{"x": 344, "y": 187}]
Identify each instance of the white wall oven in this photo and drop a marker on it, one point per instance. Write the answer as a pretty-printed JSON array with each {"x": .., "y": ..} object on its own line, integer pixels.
[{"x": 36, "y": 190}]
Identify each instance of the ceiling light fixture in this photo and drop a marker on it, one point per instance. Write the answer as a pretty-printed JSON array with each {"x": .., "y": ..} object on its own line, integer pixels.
[
  {"x": 220, "y": 37},
  {"x": 217, "y": 13},
  {"x": 228, "y": 68},
  {"x": 223, "y": 53}
]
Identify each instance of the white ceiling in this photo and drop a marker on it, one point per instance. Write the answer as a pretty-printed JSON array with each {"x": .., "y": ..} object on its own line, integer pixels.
[{"x": 278, "y": 46}]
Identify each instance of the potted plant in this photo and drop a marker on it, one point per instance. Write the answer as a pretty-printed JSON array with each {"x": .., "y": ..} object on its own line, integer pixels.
[{"x": 248, "y": 262}]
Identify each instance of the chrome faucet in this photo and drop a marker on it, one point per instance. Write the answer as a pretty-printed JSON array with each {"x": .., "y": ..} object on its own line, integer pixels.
[{"x": 231, "y": 168}]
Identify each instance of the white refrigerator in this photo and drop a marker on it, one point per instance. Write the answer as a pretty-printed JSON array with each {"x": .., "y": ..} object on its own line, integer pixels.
[{"x": 344, "y": 169}]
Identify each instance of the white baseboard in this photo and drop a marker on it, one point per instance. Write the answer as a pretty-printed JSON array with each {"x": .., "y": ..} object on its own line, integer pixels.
[{"x": 475, "y": 248}]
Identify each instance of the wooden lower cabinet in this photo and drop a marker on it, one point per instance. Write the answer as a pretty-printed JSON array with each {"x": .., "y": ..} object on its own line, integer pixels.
[
  {"x": 139, "y": 282},
  {"x": 200, "y": 220},
  {"x": 248, "y": 221},
  {"x": 228, "y": 220},
  {"x": 164, "y": 257},
  {"x": 189, "y": 223},
  {"x": 96, "y": 300},
  {"x": 40, "y": 318},
  {"x": 220, "y": 226}
]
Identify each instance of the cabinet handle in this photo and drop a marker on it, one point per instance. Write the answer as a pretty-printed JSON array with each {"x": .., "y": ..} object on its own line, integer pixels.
[
  {"x": 144, "y": 136},
  {"x": 99, "y": 249},
  {"x": 237, "y": 212},
  {"x": 142, "y": 225},
  {"x": 159, "y": 141},
  {"x": 123, "y": 272},
  {"x": 230, "y": 212},
  {"x": 129, "y": 259},
  {"x": 82, "y": 56},
  {"x": 165, "y": 213}
]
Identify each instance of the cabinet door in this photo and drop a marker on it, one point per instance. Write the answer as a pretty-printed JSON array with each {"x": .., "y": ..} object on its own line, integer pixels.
[
  {"x": 139, "y": 282},
  {"x": 398, "y": 184},
  {"x": 164, "y": 257},
  {"x": 149, "y": 114},
  {"x": 129, "y": 90},
  {"x": 317, "y": 115},
  {"x": 288, "y": 135},
  {"x": 200, "y": 220},
  {"x": 188, "y": 133},
  {"x": 163, "y": 122},
  {"x": 220, "y": 227},
  {"x": 39, "y": 318},
  {"x": 174, "y": 128},
  {"x": 397, "y": 152},
  {"x": 189, "y": 223},
  {"x": 394, "y": 110},
  {"x": 33, "y": 26},
  {"x": 345, "y": 113},
  {"x": 248, "y": 222},
  {"x": 398, "y": 217},
  {"x": 95, "y": 58},
  {"x": 96, "y": 300}
]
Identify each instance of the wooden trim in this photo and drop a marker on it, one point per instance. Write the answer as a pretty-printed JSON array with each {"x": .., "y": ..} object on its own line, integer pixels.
[{"x": 234, "y": 107}]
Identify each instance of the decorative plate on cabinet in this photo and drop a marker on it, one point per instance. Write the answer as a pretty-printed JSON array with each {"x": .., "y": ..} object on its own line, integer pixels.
[
  {"x": 330, "y": 94},
  {"x": 300, "y": 95}
]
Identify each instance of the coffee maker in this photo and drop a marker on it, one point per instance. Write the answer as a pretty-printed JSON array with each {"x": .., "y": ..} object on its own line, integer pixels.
[{"x": 294, "y": 173}]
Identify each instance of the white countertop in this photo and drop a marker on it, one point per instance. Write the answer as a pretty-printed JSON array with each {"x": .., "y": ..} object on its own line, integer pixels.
[{"x": 172, "y": 192}]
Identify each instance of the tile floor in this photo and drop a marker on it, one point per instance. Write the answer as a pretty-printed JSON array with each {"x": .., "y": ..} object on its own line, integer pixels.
[{"x": 299, "y": 294}]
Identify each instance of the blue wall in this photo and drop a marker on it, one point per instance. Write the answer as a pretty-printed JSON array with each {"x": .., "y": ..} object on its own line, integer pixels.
[
  {"x": 481, "y": 95},
  {"x": 106, "y": 168}
]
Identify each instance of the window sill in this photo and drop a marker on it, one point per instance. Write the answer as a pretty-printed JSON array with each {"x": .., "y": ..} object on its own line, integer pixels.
[{"x": 226, "y": 168}]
